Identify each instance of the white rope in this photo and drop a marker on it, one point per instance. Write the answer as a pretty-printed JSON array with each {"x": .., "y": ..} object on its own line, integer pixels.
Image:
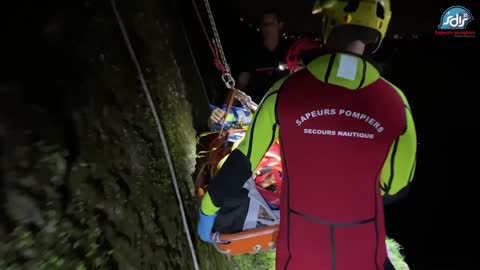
[
  {"x": 217, "y": 37},
  {"x": 160, "y": 131}
]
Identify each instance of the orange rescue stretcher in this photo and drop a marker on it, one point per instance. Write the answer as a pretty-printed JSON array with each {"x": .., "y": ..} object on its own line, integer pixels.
[{"x": 214, "y": 147}]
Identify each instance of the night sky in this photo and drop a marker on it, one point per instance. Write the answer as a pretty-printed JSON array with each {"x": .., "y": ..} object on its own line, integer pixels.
[{"x": 408, "y": 16}]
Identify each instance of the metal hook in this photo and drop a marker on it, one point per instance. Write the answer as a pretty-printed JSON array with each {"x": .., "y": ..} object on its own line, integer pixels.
[{"x": 228, "y": 80}]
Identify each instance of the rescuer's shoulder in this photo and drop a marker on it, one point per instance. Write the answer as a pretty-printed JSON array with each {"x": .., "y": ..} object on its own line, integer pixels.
[
  {"x": 278, "y": 84},
  {"x": 398, "y": 90},
  {"x": 275, "y": 88}
]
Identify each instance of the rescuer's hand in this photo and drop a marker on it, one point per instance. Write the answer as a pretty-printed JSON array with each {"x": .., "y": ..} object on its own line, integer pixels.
[{"x": 217, "y": 115}]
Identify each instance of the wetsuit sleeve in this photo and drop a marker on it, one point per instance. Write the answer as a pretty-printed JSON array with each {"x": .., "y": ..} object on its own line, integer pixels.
[
  {"x": 242, "y": 161},
  {"x": 399, "y": 167}
]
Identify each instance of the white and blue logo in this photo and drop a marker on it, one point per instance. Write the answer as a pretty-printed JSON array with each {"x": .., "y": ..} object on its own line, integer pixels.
[{"x": 455, "y": 18}]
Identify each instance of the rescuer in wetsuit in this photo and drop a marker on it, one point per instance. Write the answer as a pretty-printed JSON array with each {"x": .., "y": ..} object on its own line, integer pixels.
[
  {"x": 259, "y": 68},
  {"x": 337, "y": 165}
]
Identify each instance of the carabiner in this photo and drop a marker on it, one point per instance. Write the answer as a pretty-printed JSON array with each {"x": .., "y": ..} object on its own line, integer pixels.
[{"x": 228, "y": 80}]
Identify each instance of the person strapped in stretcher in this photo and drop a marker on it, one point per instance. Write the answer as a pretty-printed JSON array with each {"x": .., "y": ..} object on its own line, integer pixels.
[{"x": 248, "y": 220}]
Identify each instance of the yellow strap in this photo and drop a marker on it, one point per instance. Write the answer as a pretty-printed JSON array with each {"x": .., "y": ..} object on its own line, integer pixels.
[{"x": 203, "y": 134}]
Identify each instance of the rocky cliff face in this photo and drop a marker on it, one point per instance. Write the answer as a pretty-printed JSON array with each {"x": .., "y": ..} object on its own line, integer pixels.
[{"x": 84, "y": 178}]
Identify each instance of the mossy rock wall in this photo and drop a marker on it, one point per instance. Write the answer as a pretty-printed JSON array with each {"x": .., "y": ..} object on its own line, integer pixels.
[{"x": 84, "y": 176}]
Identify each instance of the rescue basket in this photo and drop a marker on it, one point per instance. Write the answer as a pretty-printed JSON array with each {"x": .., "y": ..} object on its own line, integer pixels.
[{"x": 213, "y": 148}]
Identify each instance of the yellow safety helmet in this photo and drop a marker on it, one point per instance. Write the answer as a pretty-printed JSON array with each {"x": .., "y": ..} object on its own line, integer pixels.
[{"x": 373, "y": 14}]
